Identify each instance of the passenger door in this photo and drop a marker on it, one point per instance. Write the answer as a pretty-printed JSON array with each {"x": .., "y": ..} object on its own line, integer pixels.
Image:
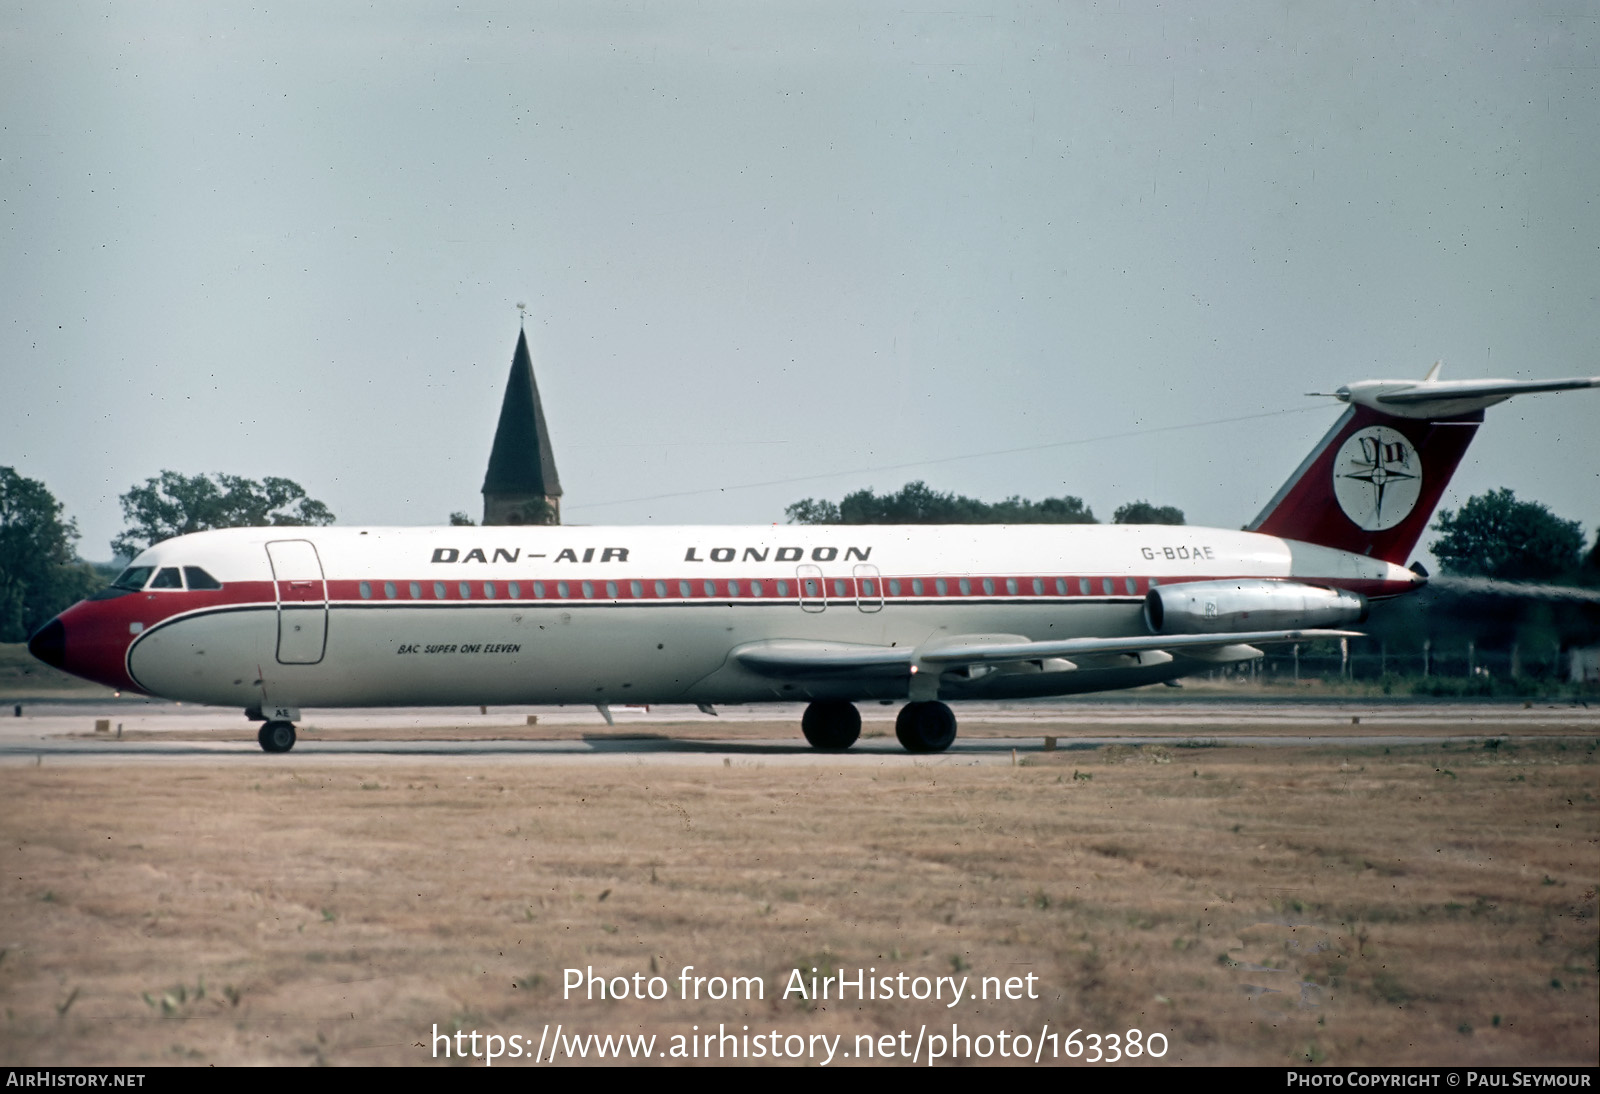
[
  {"x": 302, "y": 594},
  {"x": 869, "y": 588},
  {"x": 813, "y": 591}
]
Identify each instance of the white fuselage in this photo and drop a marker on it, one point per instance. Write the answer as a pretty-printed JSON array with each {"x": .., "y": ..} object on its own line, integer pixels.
[{"x": 520, "y": 615}]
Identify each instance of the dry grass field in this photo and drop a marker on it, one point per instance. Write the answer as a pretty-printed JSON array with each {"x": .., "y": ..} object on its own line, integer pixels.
[{"x": 1350, "y": 905}]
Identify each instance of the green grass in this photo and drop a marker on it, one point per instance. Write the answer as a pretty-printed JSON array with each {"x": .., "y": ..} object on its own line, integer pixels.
[{"x": 23, "y": 677}]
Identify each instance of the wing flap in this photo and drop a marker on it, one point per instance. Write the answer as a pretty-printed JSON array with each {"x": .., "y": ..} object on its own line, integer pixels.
[
  {"x": 1085, "y": 647},
  {"x": 801, "y": 657}
]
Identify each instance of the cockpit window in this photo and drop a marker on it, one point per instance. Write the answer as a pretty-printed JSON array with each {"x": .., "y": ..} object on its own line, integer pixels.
[
  {"x": 133, "y": 578},
  {"x": 168, "y": 578},
  {"x": 199, "y": 579}
]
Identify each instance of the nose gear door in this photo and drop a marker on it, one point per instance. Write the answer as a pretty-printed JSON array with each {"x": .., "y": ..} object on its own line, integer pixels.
[{"x": 302, "y": 595}]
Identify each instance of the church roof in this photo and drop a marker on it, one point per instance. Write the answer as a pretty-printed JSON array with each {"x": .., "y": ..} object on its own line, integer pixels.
[{"x": 521, "y": 461}]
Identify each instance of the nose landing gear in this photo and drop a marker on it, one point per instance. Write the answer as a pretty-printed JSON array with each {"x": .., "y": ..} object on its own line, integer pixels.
[{"x": 276, "y": 736}]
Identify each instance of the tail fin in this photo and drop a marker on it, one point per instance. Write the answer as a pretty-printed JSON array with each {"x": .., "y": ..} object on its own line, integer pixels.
[{"x": 1371, "y": 485}]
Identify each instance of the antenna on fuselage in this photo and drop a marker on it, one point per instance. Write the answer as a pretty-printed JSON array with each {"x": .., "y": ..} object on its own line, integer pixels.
[{"x": 522, "y": 315}]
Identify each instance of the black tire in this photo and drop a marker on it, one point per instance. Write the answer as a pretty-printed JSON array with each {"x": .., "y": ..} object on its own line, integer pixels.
[
  {"x": 925, "y": 727},
  {"x": 276, "y": 736},
  {"x": 832, "y": 725}
]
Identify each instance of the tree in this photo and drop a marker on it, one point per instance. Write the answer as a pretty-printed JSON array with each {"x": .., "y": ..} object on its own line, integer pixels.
[
  {"x": 1495, "y": 535},
  {"x": 40, "y": 573},
  {"x": 1589, "y": 572},
  {"x": 1142, "y": 512},
  {"x": 458, "y": 519},
  {"x": 916, "y": 503},
  {"x": 175, "y": 505}
]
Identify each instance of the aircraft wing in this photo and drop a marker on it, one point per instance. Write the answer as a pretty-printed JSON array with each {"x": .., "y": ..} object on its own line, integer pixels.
[
  {"x": 998, "y": 653},
  {"x": 801, "y": 657}
]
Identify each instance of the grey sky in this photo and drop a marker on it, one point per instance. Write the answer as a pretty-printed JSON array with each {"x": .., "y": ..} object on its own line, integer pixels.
[{"x": 759, "y": 242}]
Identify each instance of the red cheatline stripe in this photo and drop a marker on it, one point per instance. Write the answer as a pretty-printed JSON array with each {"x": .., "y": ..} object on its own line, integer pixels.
[{"x": 1048, "y": 588}]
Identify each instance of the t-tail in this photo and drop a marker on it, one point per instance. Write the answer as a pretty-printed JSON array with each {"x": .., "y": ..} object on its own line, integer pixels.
[{"x": 1371, "y": 485}]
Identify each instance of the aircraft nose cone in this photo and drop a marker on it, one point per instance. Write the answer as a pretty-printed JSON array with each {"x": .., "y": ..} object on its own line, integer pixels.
[{"x": 49, "y": 644}]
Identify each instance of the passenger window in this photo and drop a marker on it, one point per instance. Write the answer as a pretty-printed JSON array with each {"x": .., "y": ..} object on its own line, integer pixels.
[
  {"x": 168, "y": 578},
  {"x": 366, "y": 590},
  {"x": 1083, "y": 586},
  {"x": 1130, "y": 584},
  {"x": 661, "y": 588},
  {"x": 711, "y": 588},
  {"x": 755, "y": 588},
  {"x": 1038, "y": 587},
  {"x": 839, "y": 589},
  {"x": 488, "y": 590},
  {"x": 942, "y": 587},
  {"x": 465, "y": 588},
  {"x": 514, "y": 591},
  {"x": 866, "y": 587},
  {"x": 563, "y": 590},
  {"x": 783, "y": 588},
  {"x": 389, "y": 590},
  {"x": 966, "y": 587},
  {"x": 416, "y": 590},
  {"x": 199, "y": 579},
  {"x": 1011, "y": 586},
  {"x": 1061, "y": 587},
  {"x": 733, "y": 588},
  {"x": 1106, "y": 586},
  {"x": 438, "y": 590},
  {"x": 588, "y": 590},
  {"x": 538, "y": 590},
  {"x": 916, "y": 586},
  {"x": 611, "y": 589},
  {"x": 1154, "y": 581},
  {"x": 637, "y": 589},
  {"x": 683, "y": 589}
]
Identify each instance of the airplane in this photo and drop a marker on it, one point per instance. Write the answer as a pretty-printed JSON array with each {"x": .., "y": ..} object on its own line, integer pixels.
[{"x": 274, "y": 620}]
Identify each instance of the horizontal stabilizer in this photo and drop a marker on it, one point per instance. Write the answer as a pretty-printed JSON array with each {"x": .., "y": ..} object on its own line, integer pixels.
[{"x": 1447, "y": 398}]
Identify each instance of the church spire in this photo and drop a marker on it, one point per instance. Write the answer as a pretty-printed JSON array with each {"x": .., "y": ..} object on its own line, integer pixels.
[{"x": 521, "y": 486}]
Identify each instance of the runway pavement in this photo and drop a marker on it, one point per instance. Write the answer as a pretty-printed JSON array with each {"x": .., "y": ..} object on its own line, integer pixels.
[{"x": 144, "y": 732}]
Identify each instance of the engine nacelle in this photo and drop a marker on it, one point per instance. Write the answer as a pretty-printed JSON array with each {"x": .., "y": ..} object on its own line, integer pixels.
[{"x": 1218, "y": 607}]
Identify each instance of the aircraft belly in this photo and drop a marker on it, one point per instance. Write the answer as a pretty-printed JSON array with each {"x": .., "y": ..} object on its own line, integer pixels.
[
  {"x": 213, "y": 658},
  {"x": 571, "y": 653}
]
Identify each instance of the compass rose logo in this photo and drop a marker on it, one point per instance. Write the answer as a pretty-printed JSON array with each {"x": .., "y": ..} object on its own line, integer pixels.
[{"x": 1377, "y": 477}]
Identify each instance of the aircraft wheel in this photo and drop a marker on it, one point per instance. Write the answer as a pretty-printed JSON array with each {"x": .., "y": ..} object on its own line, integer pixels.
[
  {"x": 276, "y": 736},
  {"x": 925, "y": 727},
  {"x": 831, "y": 726}
]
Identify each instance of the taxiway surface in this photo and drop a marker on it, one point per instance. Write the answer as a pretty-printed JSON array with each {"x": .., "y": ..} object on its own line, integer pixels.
[{"x": 136, "y": 732}]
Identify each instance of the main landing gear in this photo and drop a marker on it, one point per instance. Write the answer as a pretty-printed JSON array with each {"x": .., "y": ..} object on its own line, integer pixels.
[
  {"x": 925, "y": 727},
  {"x": 276, "y": 736},
  {"x": 833, "y": 725}
]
